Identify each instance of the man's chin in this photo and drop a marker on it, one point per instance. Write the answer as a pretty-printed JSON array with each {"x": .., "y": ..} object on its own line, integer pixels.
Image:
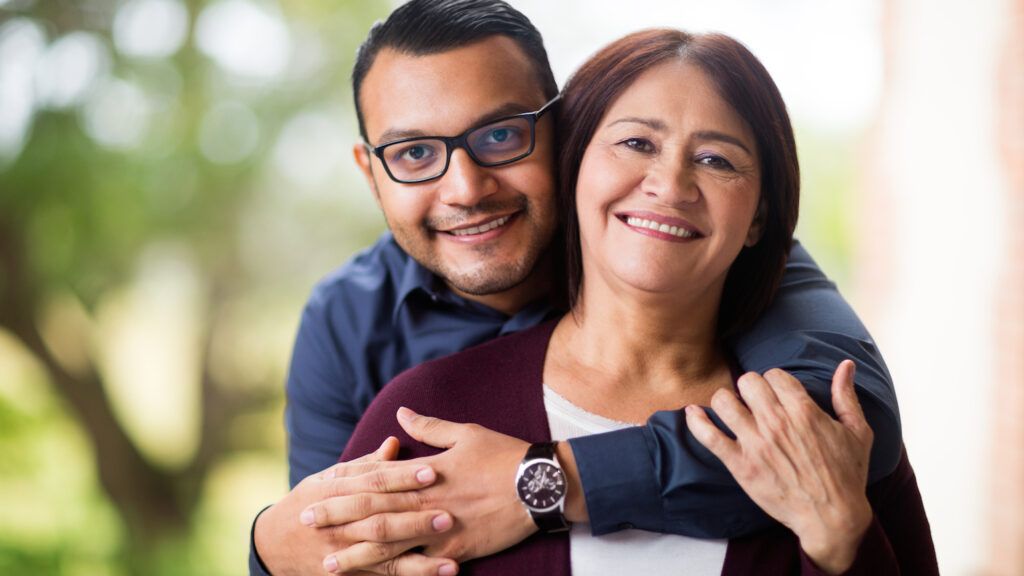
[
  {"x": 495, "y": 280},
  {"x": 486, "y": 286}
]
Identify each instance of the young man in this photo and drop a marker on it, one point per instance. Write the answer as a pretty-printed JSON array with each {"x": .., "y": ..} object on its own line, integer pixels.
[{"x": 471, "y": 256}]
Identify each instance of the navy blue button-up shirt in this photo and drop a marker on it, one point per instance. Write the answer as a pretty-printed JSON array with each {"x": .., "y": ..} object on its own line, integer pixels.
[{"x": 383, "y": 313}]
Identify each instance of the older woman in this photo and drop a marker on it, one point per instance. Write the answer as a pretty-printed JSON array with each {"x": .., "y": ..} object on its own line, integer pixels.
[{"x": 680, "y": 185}]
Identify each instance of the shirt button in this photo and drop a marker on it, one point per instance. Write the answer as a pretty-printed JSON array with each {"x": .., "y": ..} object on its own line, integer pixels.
[{"x": 626, "y": 526}]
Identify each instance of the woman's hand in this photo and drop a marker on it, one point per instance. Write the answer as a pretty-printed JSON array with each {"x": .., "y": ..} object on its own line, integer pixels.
[{"x": 802, "y": 467}]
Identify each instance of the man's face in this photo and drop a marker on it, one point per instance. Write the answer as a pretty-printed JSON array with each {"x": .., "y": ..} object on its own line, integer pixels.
[{"x": 481, "y": 229}]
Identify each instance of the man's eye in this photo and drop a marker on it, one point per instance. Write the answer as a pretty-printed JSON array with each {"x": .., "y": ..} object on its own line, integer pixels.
[
  {"x": 498, "y": 137},
  {"x": 638, "y": 144},
  {"x": 412, "y": 153}
]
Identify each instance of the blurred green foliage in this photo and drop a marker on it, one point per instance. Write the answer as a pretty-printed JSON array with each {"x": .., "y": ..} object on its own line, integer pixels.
[{"x": 159, "y": 230}]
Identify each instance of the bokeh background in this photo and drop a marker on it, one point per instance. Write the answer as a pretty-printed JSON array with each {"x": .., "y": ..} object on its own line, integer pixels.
[{"x": 175, "y": 175}]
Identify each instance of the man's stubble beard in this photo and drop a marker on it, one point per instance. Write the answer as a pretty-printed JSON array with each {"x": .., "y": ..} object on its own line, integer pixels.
[{"x": 487, "y": 277}]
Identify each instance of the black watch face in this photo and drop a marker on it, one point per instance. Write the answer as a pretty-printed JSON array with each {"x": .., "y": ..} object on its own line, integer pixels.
[{"x": 541, "y": 485}]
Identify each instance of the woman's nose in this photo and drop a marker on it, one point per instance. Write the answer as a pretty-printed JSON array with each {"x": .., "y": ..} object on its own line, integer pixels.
[{"x": 672, "y": 182}]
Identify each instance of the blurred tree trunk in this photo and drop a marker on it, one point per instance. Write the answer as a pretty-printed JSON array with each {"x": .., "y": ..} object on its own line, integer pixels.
[{"x": 155, "y": 504}]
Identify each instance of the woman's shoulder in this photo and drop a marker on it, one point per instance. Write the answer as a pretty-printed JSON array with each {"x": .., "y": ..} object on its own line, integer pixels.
[
  {"x": 497, "y": 384},
  {"x": 513, "y": 356}
]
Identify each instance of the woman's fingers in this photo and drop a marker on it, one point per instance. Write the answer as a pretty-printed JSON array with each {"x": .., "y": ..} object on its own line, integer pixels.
[
  {"x": 734, "y": 414},
  {"x": 845, "y": 402},
  {"x": 764, "y": 405},
  {"x": 705, "y": 431}
]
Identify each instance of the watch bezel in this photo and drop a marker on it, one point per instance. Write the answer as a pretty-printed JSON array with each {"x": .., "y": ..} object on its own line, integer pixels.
[{"x": 560, "y": 491}]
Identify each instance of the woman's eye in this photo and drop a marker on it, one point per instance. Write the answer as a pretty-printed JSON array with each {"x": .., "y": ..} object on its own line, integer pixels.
[
  {"x": 715, "y": 162},
  {"x": 638, "y": 144}
]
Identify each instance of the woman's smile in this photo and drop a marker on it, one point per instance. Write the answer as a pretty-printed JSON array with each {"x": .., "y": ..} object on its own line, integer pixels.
[{"x": 660, "y": 226}]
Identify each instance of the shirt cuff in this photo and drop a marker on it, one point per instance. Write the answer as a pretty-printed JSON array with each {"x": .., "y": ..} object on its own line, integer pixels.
[
  {"x": 619, "y": 481},
  {"x": 256, "y": 566}
]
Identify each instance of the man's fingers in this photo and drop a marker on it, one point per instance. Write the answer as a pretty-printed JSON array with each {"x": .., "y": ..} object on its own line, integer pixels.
[
  {"x": 397, "y": 527},
  {"x": 431, "y": 431},
  {"x": 387, "y": 451},
  {"x": 705, "y": 431},
  {"x": 411, "y": 564},
  {"x": 344, "y": 509},
  {"x": 410, "y": 476},
  {"x": 362, "y": 555},
  {"x": 844, "y": 398}
]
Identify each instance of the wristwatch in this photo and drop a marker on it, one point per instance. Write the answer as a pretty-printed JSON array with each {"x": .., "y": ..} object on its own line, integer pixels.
[{"x": 541, "y": 487}]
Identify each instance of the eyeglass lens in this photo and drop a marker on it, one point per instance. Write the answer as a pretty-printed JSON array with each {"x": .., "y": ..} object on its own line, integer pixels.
[{"x": 490, "y": 144}]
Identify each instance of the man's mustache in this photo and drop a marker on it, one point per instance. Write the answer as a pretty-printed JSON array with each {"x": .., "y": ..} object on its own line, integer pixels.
[{"x": 459, "y": 216}]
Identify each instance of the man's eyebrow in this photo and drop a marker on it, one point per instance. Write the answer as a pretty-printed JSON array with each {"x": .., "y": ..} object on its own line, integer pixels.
[{"x": 506, "y": 109}]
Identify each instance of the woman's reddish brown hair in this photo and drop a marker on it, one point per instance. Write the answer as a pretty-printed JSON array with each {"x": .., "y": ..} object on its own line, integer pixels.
[{"x": 746, "y": 86}]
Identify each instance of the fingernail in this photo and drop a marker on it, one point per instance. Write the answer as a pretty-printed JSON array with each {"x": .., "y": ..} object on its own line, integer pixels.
[
  {"x": 307, "y": 517},
  {"x": 406, "y": 415},
  {"x": 441, "y": 522},
  {"x": 330, "y": 563},
  {"x": 328, "y": 474},
  {"x": 447, "y": 570},
  {"x": 425, "y": 475}
]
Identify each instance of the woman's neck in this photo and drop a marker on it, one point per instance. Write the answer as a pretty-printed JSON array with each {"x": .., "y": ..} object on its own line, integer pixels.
[{"x": 635, "y": 353}]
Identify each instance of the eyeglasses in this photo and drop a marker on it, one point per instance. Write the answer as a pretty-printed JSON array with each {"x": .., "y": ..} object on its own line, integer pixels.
[{"x": 499, "y": 142}]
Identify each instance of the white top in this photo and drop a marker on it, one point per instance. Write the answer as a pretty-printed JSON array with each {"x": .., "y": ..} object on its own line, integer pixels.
[{"x": 626, "y": 551}]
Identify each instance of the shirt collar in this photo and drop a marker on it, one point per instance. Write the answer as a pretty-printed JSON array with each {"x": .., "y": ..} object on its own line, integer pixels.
[{"x": 414, "y": 278}]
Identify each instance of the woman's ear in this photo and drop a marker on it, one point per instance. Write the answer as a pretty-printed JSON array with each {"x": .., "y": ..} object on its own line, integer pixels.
[{"x": 756, "y": 227}]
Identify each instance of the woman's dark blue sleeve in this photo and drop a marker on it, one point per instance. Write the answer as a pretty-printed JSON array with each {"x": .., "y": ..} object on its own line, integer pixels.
[{"x": 658, "y": 477}]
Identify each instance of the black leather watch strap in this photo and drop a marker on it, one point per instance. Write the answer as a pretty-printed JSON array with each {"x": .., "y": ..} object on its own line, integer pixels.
[
  {"x": 541, "y": 450},
  {"x": 552, "y": 520}
]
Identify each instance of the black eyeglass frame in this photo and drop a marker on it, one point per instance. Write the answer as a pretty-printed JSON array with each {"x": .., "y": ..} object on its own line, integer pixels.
[{"x": 453, "y": 143}]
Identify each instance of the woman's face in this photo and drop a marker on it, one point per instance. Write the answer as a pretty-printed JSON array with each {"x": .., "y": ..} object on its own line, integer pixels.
[{"x": 668, "y": 187}]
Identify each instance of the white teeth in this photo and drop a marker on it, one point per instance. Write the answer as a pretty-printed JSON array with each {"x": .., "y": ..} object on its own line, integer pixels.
[
  {"x": 658, "y": 227},
  {"x": 485, "y": 227}
]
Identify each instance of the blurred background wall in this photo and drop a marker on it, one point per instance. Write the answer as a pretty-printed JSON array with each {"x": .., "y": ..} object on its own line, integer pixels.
[{"x": 175, "y": 175}]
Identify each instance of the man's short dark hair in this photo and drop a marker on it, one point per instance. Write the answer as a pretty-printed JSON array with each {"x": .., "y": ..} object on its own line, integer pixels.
[{"x": 423, "y": 27}]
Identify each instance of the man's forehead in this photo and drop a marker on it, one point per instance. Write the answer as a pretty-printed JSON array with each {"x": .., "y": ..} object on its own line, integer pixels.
[{"x": 446, "y": 92}]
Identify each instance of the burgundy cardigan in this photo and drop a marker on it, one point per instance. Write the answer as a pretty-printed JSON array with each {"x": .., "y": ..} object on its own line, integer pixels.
[{"x": 499, "y": 384}]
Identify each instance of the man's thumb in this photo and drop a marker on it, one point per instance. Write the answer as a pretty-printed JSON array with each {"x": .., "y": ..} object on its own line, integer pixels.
[{"x": 431, "y": 431}]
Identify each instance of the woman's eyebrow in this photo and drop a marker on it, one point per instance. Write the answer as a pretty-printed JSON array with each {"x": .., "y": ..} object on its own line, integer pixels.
[
  {"x": 721, "y": 137},
  {"x": 660, "y": 126},
  {"x": 652, "y": 123}
]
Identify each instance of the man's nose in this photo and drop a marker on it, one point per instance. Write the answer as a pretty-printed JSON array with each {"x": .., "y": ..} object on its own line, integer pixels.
[{"x": 465, "y": 183}]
